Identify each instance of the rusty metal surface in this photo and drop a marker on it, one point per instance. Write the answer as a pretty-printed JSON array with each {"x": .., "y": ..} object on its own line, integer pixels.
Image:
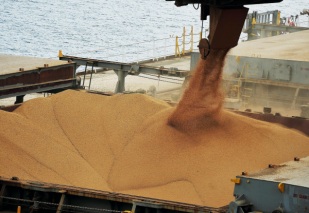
[
  {"x": 300, "y": 124},
  {"x": 37, "y": 75},
  {"x": 221, "y": 34},
  {"x": 38, "y": 80},
  {"x": 104, "y": 195}
]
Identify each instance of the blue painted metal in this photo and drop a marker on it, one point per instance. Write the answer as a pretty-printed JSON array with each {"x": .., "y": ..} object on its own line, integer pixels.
[
  {"x": 276, "y": 70},
  {"x": 261, "y": 190}
]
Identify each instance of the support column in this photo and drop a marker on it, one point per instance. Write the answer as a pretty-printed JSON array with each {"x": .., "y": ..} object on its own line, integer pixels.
[
  {"x": 133, "y": 207},
  {"x": 19, "y": 99},
  {"x": 1, "y": 195},
  {"x": 263, "y": 33},
  {"x": 159, "y": 211},
  {"x": 62, "y": 199},
  {"x": 295, "y": 97},
  {"x": 120, "y": 87}
]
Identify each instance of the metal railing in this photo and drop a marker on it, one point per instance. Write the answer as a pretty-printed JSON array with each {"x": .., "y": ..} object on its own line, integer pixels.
[
  {"x": 153, "y": 49},
  {"x": 181, "y": 42},
  {"x": 270, "y": 17}
]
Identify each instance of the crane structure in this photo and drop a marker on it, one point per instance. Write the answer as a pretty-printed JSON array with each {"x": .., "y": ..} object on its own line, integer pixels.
[{"x": 227, "y": 18}]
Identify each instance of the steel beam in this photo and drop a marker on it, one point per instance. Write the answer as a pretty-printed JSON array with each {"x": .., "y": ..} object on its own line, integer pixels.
[
  {"x": 120, "y": 86},
  {"x": 100, "y": 196},
  {"x": 295, "y": 98},
  {"x": 269, "y": 82},
  {"x": 62, "y": 200},
  {"x": 39, "y": 79},
  {"x": 130, "y": 68},
  {"x": 222, "y": 3},
  {"x": 2, "y": 194},
  {"x": 7, "y": 92},
  {"x": 283, "y": 28}
]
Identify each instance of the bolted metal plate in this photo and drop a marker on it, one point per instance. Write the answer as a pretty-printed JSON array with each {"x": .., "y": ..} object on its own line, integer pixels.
[{"x": 204, "y": 48}]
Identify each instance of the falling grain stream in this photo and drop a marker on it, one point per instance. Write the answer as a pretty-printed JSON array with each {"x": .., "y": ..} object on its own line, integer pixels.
[{"x": 203, "y": 99}]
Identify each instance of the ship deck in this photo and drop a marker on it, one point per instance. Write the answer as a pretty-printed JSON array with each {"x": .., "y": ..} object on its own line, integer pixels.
[
  {"x": 10, "y": 64},
  {"x": 20, "y": 75},
  {"x": 292, "y": 47}
]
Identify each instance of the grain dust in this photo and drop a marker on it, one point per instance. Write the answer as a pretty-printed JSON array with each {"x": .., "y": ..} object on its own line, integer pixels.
[{"x": 202, "y": 101}]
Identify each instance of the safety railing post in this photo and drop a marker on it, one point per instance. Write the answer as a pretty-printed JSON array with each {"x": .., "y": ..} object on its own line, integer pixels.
[
  {"x": 165, "y": 53},
  {"x": 153, "y": 50},
  {"x": 191, "y": 48},
  {"x": 183, "y": 40},
  {"x": 277, "y": 21},
  {"x": 176, "y": 46},
  {"x": 278, "y": 18}
]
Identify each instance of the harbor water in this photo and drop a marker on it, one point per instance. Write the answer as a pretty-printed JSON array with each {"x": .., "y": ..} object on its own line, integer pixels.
[{"x": 99, "y": 28}]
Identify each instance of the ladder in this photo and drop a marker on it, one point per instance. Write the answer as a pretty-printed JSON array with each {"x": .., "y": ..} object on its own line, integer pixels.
[
  {"x": 92, "y": 63},
  {"x": 247, "y": 93}
]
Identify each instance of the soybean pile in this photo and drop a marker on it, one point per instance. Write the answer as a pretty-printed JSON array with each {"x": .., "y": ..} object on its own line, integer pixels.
[{"x": 123, "y": 143}]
